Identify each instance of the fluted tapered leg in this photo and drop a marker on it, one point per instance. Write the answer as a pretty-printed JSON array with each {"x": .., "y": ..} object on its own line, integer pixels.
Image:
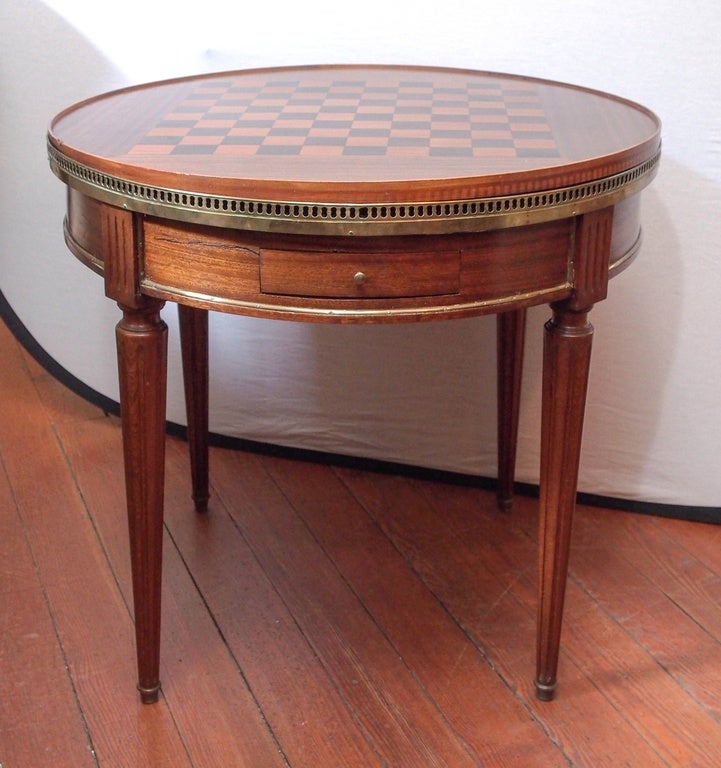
[
  {"x": 567, "y": 355},
  {"x": 142, "y": 362}
]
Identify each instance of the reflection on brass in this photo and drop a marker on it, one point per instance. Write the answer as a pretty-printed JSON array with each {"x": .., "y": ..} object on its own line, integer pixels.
[
  {"x": 438, "y": 311},
  {"x": 353, "y": 218}
]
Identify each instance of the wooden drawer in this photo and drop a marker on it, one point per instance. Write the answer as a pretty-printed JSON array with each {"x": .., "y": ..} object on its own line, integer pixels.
[{"x": 347, "y": 275}]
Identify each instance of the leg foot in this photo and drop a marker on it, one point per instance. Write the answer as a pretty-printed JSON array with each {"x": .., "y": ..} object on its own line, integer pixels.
[
  {"x": 505, "y": 504},
  {"x": 545, "y": 692},
  {"x": 149, "y": 695}
]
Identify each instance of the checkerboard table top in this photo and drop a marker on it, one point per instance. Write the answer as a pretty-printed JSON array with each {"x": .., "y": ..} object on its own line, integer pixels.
[
  {"x": 347, "y": 116},
  {"x": 353, "y": 134}
]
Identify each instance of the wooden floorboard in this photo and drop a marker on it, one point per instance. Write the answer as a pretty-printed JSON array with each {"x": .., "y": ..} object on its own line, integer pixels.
[{"x": 319, "y": 616}]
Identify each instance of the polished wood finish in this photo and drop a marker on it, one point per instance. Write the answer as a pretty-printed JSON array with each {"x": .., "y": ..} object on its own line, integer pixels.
[
  {"x": 591, "y": 259},
  {"x": 440, "y": 587},
  {"x": 566, "y": 360},
  {"x": 193, "y": 326},
  {"x": 566, "y": 363},
  {"x": 142, "y": 359},
  {"x": 511, "y": 338},
  {"x": 118, "y": 243},
  {"x": 273, "y": 276},
  {"x": 369, "y": 275},
  {"x": 588, "y": 135},
  {"x": 357, "y": 195}
]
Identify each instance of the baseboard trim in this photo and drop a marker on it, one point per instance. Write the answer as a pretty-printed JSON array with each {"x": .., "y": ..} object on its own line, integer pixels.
[{"x": 701, "y": 514}]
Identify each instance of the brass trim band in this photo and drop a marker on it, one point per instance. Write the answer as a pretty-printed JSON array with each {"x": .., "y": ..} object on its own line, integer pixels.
[
  {"x": 353, "y": 218},
  {"x": 436, "y": 311}
]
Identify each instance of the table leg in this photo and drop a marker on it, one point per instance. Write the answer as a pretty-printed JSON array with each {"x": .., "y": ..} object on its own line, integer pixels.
[
  {"x": 194, "y": 346},
  {"x": 567, "y": 355},
  {"x": 142, "y": 363},
  {"x": 511, "y": 332}
]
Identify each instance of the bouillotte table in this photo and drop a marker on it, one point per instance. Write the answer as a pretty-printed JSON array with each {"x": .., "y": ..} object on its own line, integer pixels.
[{"x": 353, "y": 194}]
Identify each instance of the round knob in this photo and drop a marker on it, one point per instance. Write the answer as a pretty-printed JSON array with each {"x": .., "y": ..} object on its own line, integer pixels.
[{"x": 359, "y": 278}]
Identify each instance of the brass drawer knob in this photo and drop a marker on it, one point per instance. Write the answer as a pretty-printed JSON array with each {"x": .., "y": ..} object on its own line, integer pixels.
[{"x": 359, "y": 278}]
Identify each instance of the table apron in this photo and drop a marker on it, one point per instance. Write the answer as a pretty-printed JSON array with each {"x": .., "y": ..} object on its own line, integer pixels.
[{"x": 342, "y": 279}]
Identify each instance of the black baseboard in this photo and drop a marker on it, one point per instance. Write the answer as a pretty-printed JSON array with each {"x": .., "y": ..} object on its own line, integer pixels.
[{"x": 693, "y": 513}]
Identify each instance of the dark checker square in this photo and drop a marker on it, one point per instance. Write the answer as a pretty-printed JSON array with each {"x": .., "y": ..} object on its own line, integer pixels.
[
  {"x": 245, "y": 140},
  {"x": 194, "y": 149},
  {"x": 279, "y": 149},
  {"x": 364, "y": 151}
]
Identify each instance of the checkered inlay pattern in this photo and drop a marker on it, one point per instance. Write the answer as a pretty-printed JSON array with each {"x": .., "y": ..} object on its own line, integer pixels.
[{"x": 350, "y": 117}]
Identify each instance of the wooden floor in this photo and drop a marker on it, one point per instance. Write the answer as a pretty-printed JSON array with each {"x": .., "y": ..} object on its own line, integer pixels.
[{"x": 327, "y": 617}]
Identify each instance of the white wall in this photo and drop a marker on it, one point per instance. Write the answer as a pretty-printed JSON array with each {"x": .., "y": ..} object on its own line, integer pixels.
[{"x": 420, "y": 394}]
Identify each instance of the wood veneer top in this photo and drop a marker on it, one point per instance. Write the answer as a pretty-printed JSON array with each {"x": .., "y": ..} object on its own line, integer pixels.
[{"x": 357, "y": 134}]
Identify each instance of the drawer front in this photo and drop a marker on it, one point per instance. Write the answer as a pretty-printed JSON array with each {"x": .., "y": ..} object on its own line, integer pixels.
[{"x": 347, "y": 275}]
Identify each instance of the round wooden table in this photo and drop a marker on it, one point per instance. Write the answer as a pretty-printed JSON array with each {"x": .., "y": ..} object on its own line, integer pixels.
[{"x": 353, "y": 194}]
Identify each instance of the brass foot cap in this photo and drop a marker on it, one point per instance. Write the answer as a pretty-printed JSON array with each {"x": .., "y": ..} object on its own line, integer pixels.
[
  {"x": 149, "y": 695},
  {"x": 545, "y": 692}
]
